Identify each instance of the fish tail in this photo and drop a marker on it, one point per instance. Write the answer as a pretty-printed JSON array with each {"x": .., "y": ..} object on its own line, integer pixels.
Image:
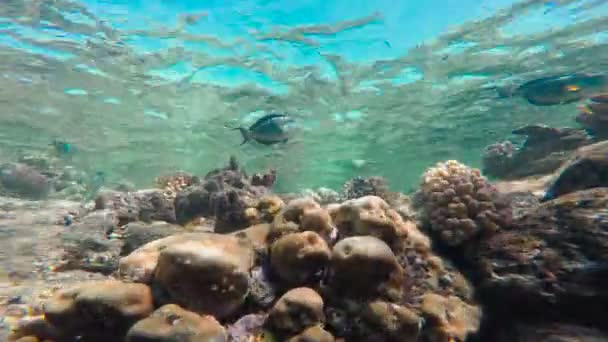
[{"x": 244, "y": 133}]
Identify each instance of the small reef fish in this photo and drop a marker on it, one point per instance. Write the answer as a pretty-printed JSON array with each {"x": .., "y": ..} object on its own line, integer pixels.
[
  {"x": 62, "y": 147},
  {"x": 554, "y": 90},
  {"x": 268, "y": 130}
]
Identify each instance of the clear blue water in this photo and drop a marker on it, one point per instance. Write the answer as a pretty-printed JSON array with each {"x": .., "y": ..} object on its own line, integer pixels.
[{"x": 144, "y": 88}]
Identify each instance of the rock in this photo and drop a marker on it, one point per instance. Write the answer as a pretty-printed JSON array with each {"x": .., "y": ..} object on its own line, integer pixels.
[
  {"x": 224, "y": 194},
  {"x": 544, "y": 138},
  {"x": 296, "y": 310},
  {"x": 360, "y": 187},
  {"x": 247, "y": 327},
  {"x": 323, "y": 196},
  {"x": 99, "y": 309},
  {"x": 34, "y": 327},
  {"x": 594, "y": 116},
  {"x": 144, "y": 205},
  {"x": 394, "y": 322},
  {"x": 155, "y": 206},
  {"x": 139, "y": 266},
  {"x": 24, "y": 181},
  {"x": 588, "y": 168},
  {"x": 450, "y": 317},
  {"x": 297, "y": 258},
  {"x": 265, "y": 210},
  {"x": 171, "y": 323},
  {"x": 174, "y": 183},
  {"x": 302, "y": 214},
  {"x": 87, "y": 245},
  {"x": 208, "y": 275},
  {"x": 371, "y": 215},
  {"x": 497, "y": 159},
  {"x": 313, "y": 334},
  {"x": 138, "y": 234},
  {"x": 257, "y": 235},
  {"x": 365, "y": 266},
  {"x": 554, "y": 258},
  {"x": 554, "y": 332},
  {"x": 543, "y": 152}
]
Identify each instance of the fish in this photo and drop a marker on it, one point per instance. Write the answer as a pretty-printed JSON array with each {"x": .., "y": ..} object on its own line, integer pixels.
[
  {"x": 564, "y": 89},
  {"x": 62, "y": 147},
  {"x": 270, "y": 129}
]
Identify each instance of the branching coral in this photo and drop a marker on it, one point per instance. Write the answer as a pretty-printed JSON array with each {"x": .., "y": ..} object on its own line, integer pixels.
[{"x": 460, "y": 204}]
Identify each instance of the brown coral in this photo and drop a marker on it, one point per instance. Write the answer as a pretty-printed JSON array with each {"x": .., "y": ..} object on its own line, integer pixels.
[
  {"x": 302, "y": 214},
  {"x": 371, "y": 215},
  {"x": 172, "y": 184},
  {"x": 461, "y": 204}
]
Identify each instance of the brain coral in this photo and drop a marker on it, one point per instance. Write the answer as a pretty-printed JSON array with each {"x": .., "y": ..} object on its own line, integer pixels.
[{"x": 460, "y": 204}]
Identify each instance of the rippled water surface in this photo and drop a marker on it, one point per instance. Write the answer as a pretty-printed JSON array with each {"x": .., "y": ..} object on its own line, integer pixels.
[{"x": 143, "y": 88}]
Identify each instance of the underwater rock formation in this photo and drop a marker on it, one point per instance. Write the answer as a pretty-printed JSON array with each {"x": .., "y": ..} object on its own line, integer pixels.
[
  {"x": 143, "y": 205},
  {"x": 544, "y": 151},
  {"x": 361, "y": 187},
  {"x": 297, "y": 310},
  {"x": 302, "y": 214},
  {"x": 224, "y": 194},
  {"x": 365, "y": 267},
  {"x": 497, "y": 158},
  {"x": 172, "y": 323},
  {"x": 137, "y": 234},
  {"x": 553, "y": 258},
  {"x": 174, "y": 183},
  {"x": 87, "y": 244},
  {"x": 297, "y": 257},
  {"x": 197, "y": 280},
  {"x": 460, "y": 205},
  {"x": 552, "y": 332},
  {"x": 588, "y": 168},
  {"x": 24, "y": 181},
  {"x": 98, "y": 311},
  {"x": 593, "y": 116}
]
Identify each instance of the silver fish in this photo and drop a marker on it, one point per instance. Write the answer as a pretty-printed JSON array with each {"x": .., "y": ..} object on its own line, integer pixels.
[{"x": 268, "y": 130}]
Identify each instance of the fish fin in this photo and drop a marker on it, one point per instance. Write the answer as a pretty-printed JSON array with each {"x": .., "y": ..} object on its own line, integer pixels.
[{"x": 244, "y": 133}]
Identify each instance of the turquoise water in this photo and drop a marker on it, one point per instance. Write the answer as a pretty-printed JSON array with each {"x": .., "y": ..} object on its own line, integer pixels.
[{"x": 144, "y": 88}]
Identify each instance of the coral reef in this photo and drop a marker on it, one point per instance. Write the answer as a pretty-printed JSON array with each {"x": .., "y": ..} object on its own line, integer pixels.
[
  {"x": 174, "y": 183},
  {"x": 226, "y": 195},
  {"x": 587, "y": 168},
  {"x": 171, "y": 322},
  {"x": 292, "y": 279},
  {"x": 361, "y": 187},
  {"x": 144, "y": 205},
  {"x": 544, "y": 150},
  {"x": 497, "y": 158},
  {"x": 553, "y": 258},
  {"x": 23, "y": 180},
  {"x": 461, "y": 205},
  {"x": 354, "y": 270}
]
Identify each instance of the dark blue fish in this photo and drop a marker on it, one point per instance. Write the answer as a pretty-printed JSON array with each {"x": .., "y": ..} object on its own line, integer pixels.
[
  {"x": 268, "y": 130},
  {"x": 563, "y": 89}
]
